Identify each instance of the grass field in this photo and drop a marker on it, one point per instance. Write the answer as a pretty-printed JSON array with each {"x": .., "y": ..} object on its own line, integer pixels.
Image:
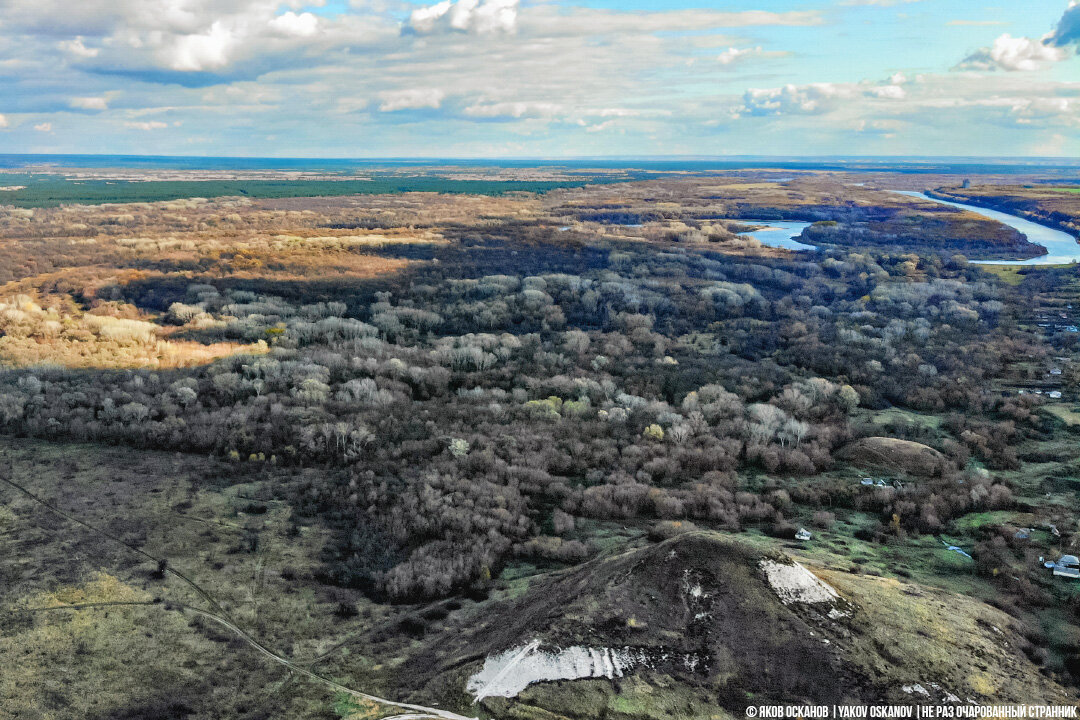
[
  {"x": 228, "y": 535},
  {"x": 1067, "y": 414},
  {"x": 1015, "y": 274}
]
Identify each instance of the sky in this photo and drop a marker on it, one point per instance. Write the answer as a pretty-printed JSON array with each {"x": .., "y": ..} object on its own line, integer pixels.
[{"x": 540, "y": 78}]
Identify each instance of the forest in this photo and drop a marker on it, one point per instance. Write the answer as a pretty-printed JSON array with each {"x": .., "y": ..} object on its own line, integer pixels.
[{"x": 460, "y": 388}]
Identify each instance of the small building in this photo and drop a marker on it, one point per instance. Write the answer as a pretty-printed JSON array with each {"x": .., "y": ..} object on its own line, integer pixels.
[
  {"x": 1067, "y": 566},
  {"x": 803, "y": 535}
]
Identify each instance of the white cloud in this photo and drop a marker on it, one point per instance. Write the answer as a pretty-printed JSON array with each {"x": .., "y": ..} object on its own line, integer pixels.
[
  {"x": 885, "y": 128},
  {"x": 812, "y": 99},
  {"x": 1014, "y": 54},
  {"x": 200, "y": 52},
  {"x": 150, "y": 125},
  {"x": 412, "y": 99},
  {"x": 600, "y": 127},
  {"x": 734, "y": 56},
  {"x": 3, "y": 122},
  {"x": 76, "y": 47},
  {"x": 547, "y": 19},
  {"x": 889, "y": 92},
  {"x": 292, "y": 25},
  {"x": 512, "y": 110},
  {"x": 1046, "y": 110},
  {"x": 237, "y": 72},
  {"x": 1067, "y": 31},
  {"x": 89, "y": 103},
  {"x": 819, "y": 98},
  {"x": 43, "y": 127},
  {"x": 471, "y": 16}
]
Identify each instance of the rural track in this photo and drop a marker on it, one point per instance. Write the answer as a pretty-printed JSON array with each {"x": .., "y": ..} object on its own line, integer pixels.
[{"x": 220, "y": 616}]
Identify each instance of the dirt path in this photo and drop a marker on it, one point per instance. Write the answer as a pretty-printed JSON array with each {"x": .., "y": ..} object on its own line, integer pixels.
[{"x": 220, "y": 616}]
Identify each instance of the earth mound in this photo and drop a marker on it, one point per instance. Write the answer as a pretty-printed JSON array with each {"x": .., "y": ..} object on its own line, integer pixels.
[
  {"x": 714, "y": 624},
  {"x": 894, "y": 456}
]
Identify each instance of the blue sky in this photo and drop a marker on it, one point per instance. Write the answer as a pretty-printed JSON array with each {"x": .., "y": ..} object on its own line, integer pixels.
[{"x": 498, "y": 78}]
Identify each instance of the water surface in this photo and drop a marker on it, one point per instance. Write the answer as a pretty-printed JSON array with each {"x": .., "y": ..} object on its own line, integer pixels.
[
  {"x": 779, "y": 233},
  {"x": 1061, "y": 247}
]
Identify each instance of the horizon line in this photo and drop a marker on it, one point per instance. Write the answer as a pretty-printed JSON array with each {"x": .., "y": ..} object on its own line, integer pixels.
[{"x": 577, "y": 158}]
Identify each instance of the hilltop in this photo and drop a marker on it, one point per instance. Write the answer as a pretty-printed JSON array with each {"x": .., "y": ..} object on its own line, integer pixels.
[{"x": 703, "y": 620}]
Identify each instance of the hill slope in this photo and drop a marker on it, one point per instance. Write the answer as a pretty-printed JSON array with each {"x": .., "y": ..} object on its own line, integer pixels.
[{"x": 715, "y": 624}]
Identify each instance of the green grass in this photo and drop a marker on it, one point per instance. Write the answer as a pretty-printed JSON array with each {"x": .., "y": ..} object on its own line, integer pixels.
[
  {"x": 905, "y": 417},
  {"x": 1069, "y": 415},
  {"x": 1015, "y": 274},
  {"x": 976, "y": 521}
]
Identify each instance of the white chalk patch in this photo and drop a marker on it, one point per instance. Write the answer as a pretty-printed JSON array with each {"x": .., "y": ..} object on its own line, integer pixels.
[
  {"x": 510, "y": 672},
  {"x": 795, "y": 584}
]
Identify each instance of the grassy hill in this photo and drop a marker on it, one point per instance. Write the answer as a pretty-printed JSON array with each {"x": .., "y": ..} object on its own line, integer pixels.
[{"x": 743, "y": 615}]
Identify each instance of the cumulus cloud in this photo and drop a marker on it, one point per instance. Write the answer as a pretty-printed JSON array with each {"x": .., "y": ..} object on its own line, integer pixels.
[
  {"x": 886, "y": 128},
  {"x": 76, "y": 47},
  {"x": 89, "y": 103},
  {"x": 43, "y": 127},
  {"x": 550, "y": 20},
  {"x": 889, "y": 92},
  {"x": 1068, "y": 27},
  {"x": 148, "y": 125},
  {"x": 818, "y": 98},
  {"x": 3, "y": 122},
  {"x": 469, "y": 16},
  {"x": 1046, "y": 110},
  {"x": 733, "y": 56},
  {"x": 181, "y": 40},
  {"x": 292, "y": 25},
  {"x": 812, "y": 99},
  {"x": 1014, "y": 54},
  {"x": 514, "y": 110},
  {"x": 412, "y": 99},
  {"x": 201, "y": 51},
  {"x": 241, "y": 74},
  {"x": 1027, "y": 54}
]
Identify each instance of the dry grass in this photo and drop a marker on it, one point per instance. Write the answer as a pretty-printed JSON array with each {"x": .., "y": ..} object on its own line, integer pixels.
[
  {"x": 68, "y": 267},
  {"x": 55, "y": 330},
  {"x": 963, "y": 645},
  {"x": 40, "y": 655}
]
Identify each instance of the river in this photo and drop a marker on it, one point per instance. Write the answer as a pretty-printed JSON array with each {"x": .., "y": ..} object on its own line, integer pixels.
[
  {"x": 1061, "y": 247},
  {"x": 779, "y": 233}
]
